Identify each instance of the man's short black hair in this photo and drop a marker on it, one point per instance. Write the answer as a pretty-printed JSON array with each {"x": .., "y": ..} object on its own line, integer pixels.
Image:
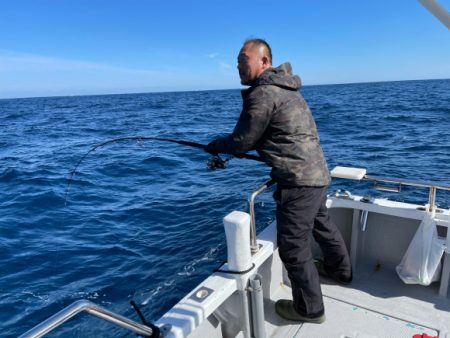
[{"x": 260, "y": 42}]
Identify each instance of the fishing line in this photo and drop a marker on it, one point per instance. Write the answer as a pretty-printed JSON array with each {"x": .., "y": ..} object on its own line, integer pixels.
[{"x": 215, "y": 162}]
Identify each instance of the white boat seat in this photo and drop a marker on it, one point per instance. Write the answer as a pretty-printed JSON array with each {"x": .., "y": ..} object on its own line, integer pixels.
[{"x": 348, "y": 173}]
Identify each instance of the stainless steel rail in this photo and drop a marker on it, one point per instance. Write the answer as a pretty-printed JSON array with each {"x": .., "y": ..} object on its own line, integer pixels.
[
  {"x": 91, "y": 308},
  {"x": 422, "y": 184},
  {"x": 251, "y": 203}
]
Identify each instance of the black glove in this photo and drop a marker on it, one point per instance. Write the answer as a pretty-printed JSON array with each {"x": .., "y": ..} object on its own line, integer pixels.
[{"x": 211, "y": 148}]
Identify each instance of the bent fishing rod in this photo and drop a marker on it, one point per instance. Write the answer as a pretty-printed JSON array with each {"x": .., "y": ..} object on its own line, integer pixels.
[{"x": 215, "y": 162}]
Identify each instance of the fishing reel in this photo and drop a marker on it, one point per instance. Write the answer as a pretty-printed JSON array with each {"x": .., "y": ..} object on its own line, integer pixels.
[{"x": 216, "y": 162}]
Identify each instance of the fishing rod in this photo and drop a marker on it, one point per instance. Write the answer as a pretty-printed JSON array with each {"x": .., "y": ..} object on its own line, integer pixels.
[{"x": 215, "y": 162}]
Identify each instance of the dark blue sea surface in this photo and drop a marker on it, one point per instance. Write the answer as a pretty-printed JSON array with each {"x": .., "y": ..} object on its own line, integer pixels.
[{"x": 143, "y": 220}]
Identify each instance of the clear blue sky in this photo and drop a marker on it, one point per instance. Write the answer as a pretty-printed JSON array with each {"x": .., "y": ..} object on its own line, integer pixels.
[{"x": 63, "y": 47}]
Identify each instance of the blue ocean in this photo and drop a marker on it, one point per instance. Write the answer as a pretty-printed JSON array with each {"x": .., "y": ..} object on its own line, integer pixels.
[{"x": 143, "y": 220}]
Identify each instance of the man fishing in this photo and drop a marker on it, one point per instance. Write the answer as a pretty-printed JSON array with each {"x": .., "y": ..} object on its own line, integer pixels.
[{"x": 277, "y": 123}]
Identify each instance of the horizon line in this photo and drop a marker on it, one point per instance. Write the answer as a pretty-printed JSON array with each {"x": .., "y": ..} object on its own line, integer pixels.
[{"x": 206, "y": 90}]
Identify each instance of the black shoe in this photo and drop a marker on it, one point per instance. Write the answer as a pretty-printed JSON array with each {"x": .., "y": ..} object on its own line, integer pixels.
[
  {"x": 285, "y": 309},
  {"x": 320, "y": 266}
]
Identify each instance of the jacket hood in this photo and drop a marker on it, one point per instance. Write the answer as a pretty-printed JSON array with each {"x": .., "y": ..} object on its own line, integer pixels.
[{"x": 280, "y": 76}]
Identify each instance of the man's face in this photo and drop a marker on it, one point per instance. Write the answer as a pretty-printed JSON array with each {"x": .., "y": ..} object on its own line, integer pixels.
[{"x": 250, "y": 64}]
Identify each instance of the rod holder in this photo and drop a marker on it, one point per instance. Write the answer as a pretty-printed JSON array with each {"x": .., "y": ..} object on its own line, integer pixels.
[{"x": 257, "y": 297}]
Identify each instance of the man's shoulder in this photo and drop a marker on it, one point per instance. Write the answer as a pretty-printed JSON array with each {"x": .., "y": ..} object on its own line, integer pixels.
[
  {"x": 273, "y": 94},
  {"x": 266, "y": 90},
  {"x": 261, "y": 96}
]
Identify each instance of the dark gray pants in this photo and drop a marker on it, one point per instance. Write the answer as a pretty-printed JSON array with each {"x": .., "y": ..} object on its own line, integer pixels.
[{"x": 300, "y": 212}]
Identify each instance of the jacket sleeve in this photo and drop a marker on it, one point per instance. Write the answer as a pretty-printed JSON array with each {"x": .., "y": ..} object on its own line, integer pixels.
[{"x": 253, "y": 121}]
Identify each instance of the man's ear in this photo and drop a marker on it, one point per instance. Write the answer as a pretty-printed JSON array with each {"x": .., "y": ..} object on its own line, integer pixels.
[{"x": 265, "y": 62}]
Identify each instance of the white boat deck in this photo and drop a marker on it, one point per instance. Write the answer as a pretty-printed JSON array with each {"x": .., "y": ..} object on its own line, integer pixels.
[{"x": 376, "y": 304}]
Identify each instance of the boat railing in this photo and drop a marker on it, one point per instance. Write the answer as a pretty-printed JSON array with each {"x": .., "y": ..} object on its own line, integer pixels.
[
  {"x": 251, "y": 203},
  {"x": 390, "y": 184},
  {"x": 380, "y": 183},
  {"x": 433, "y": 187},
  {"x": 86, "y": 306}
]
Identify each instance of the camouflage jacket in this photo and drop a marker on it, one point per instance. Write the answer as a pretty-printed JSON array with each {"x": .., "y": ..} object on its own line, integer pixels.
[{"x": 277, "y": 123}]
